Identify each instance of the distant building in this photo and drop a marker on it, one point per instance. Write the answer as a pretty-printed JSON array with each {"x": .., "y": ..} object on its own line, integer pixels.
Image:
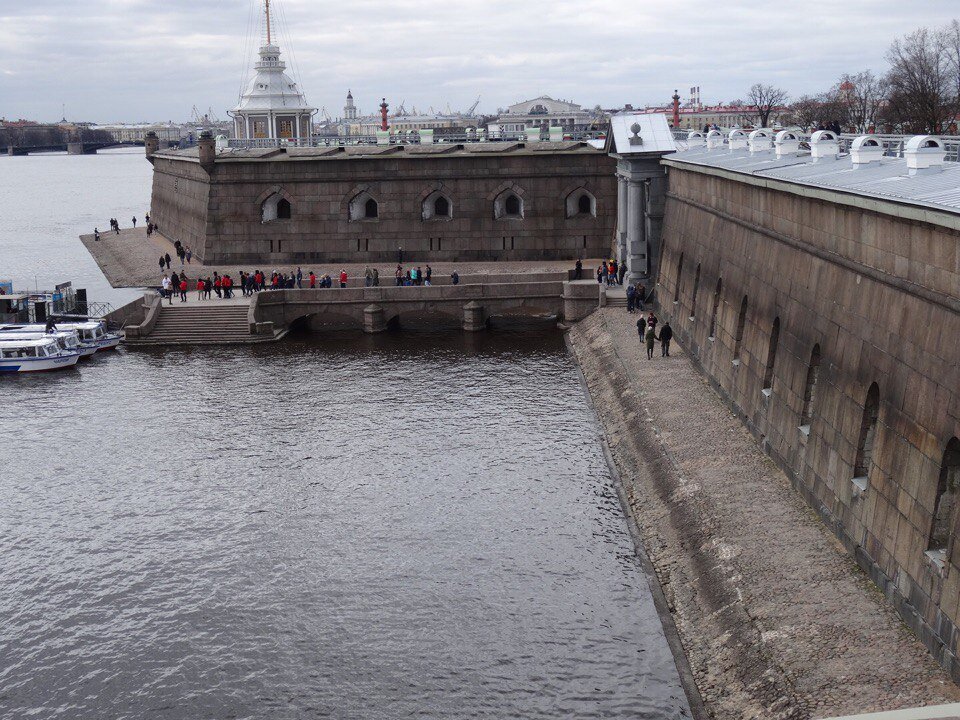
[
  {"x": 545, "y": 112},
  {"x": 354, "y": 124},
  {"x": 124, "y": 133}
]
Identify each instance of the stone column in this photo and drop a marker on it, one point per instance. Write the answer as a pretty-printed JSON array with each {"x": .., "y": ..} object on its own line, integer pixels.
[
  {"x": 656, "y": 200},
  {"x": 373, "y": 319},
  {"x": 474, "y": 317},
  {"x": 637, "y": 268},
  {"x": 621, "y": 219}
]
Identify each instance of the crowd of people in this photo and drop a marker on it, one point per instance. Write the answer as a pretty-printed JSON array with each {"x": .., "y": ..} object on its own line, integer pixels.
[{"x": 177, "y": 284}]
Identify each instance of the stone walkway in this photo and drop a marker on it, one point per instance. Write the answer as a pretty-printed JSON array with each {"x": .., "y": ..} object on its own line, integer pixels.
[
  {"x": 776, "y": 620},
  {"x": 130, "y": 260}
]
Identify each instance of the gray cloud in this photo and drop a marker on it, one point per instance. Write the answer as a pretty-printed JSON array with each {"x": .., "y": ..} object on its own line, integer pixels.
[{"x": 153, "y": 60}]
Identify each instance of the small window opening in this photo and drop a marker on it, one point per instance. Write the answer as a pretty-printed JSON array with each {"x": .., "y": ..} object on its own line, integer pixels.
[
  {"x": 512, "y": 205},
  {"x": 693, "y": 298},
  {"x": 676, "y": 288},
  {"x": 716, "y": 307},
  {"x": 948, "y": 485},
  {"x": 584, "y": 206},
  {"x": 370, "y": 209},
  {"x": 810, "y": 388},
  {"x": 868, "y": 433},
  {"x": 441, "y": 207},
  {"x": 771, "y": 356},
  {"x": 741, "y": 322},
  {"x": 283, "y": 209}
]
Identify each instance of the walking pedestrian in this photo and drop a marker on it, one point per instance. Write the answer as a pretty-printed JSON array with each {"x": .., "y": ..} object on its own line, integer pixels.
[
  {"x": 146, "y": 218},
  {"x": 368, "y": 277},
  {"x": 620, "y": 273},
  {"x": 343, "y": 278},
  {"x": 631, "y": 294},
  {"x": 640, "y": 297},
  {"x": 429, "y": 275},
  {"x": 400, "y": 255},
  {"x": 666, "y": 335},
  {"x": 96, "y": 235},
  {"x": 312, "y": 280},
  {"x": 166, "y": 257},
  {"x": 376, "y": 278},
  {"x": 134, "y": 221},
  {"x": 199, "y": 288},
  {"x": 165, "y": 285},
  {"x": 189, "y": 254},
  {"x": 183, "y": 289},
  {"x": 652, "y": 320},
  {"x": 398, "y": 274},
  {"x": 650, "y": 336},
  {"x": 455, "y": 277}
]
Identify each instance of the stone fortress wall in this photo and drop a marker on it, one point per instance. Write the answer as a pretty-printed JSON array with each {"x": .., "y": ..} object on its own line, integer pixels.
[
  {"x": 831, "y": 325},
  {"x": 504, "y": 201}
]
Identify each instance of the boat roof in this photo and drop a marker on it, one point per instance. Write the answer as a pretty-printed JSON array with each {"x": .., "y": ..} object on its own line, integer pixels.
[
  {"x": 38, "y": 342},
  {"x": 30, "y": 327},
  {"x": 28, "y": 334}
]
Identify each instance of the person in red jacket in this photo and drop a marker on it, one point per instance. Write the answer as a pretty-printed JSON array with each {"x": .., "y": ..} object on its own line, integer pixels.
[
  {"x": 227, "y": 286},
  {"x": 183, "y": 290},
  {"x": 313, "y": 280},
  {"x": 200, "y": 289},
  {"x": 343, "y": 278},
  {"x": 217, "y": 283}
]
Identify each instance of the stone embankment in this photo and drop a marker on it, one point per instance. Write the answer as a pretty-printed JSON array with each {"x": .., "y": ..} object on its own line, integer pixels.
[{"x": 775, "y": 618}]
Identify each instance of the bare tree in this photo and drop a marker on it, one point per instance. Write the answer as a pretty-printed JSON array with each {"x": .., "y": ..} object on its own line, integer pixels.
[
  {"x": 859, "y": 98},
  {"x": 950, "y": 37},
  {"x": 923, "y": 93},
  {"x": 768, "y": 100},
  {"x": 805, "y": 111}
]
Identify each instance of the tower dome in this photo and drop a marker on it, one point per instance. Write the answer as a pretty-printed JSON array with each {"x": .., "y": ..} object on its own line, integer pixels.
[{"x": 272, "y": 105}]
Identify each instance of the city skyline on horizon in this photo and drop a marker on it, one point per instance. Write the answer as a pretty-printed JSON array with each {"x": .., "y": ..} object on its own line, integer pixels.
[{"x": 112, "y": 76}]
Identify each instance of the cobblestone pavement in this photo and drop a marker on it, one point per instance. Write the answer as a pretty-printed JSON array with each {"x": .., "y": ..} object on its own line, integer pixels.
[
  {"x": 776, "y": 619},
  {"x": 130, "y": 260}
]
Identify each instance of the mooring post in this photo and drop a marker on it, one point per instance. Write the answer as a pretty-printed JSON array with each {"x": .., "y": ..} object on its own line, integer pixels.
[
  {"x": 373, "y": 319},
  {"x": 474, "y": 318}
]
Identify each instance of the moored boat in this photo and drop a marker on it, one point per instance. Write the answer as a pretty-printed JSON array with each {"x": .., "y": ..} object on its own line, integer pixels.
[
  {"x": 90, "y": 332},
  {"x": 34, "y": 355},
  {"x": 68, "y": 340}
]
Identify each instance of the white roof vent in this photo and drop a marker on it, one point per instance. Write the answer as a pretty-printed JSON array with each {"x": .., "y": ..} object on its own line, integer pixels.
[
  {"x": 866, "y": 149},
  {"x": 695, "y": 139},
  {"x": 760, "y": 140},
  {"x": 737, "y": 140},
  {"x": 824, "y": 144},
  {"x": 924, "y": 153},
  {"x": 787, "y": 143},
  {"x": 714, "y": 139}
]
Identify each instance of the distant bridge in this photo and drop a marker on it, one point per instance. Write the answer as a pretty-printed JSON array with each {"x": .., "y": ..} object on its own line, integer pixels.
[{"x": 54, "y": 138}]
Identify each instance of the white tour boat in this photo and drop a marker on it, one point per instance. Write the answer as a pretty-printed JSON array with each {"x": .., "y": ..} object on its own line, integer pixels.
[
  {"x": 34, "y": 355},
  {"x": 68, "y": 340},
  {"x": 90, "y": 332}
]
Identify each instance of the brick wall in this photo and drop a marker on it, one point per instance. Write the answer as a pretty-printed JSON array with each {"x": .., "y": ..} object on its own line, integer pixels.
[
  {"x": 878, "y": 295},
  {"x": 319, "y": 191}
]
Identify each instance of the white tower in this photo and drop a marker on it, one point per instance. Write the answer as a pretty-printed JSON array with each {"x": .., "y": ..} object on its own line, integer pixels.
[
  {"x": 349, "y": 110},
  {"x": 272, "y": 106}
]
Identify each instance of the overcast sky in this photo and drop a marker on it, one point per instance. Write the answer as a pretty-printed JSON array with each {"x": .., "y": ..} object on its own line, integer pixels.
[{"x": 133, "y": 60}]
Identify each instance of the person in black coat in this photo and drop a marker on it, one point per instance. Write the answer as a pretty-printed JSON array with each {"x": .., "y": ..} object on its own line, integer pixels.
[{"x": 666, "y": 335}]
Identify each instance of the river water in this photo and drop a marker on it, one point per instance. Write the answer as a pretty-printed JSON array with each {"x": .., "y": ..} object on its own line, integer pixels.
[{"x": 409, "y": 525}]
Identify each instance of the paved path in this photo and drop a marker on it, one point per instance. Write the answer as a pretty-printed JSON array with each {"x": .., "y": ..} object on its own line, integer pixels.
[
  {"x": 130, "y": 259},
  {"x": 776, "y": 619}
]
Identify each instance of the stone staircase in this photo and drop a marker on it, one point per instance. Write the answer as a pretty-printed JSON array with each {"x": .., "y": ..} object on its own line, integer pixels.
[
  {"x": 201, "y": 324},
  {"x": 616, "y": 296}
]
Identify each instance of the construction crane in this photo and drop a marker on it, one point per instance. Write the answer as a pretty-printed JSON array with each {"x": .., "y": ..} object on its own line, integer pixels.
[{"x": 473, "y": 107}]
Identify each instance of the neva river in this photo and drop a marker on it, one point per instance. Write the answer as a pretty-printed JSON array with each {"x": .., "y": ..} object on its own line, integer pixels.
[{"x": 347, "y": 526}]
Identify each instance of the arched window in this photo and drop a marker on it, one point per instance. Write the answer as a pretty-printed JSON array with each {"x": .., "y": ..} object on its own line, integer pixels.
[
  {"x": 436, "y": 206},
  {"x": 948, "y": 486},
  {"x": 716, "y": 308},
  {"x": 741, "y": 322},
  {"x": 693, "y": 298},
  {"x": 868, "y": 433},
  {"x": 771, "y": 356},
  {"x": 676, "y": 288},
  {"x": 810, "y": 388},
  {"x": 581, "y": 203},
  {"x": 363, "y": 208},
  {"x": 441, "y": 206},
  {"x": 508, "y": 206},
  {"x": 276, "y": 207}
]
